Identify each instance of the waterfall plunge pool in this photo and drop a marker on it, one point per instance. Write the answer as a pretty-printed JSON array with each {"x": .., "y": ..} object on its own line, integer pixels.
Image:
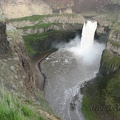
[{"x": 68, "y": 68}]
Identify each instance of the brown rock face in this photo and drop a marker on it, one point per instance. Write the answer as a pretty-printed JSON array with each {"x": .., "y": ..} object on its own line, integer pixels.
[
  {"x": 4, "y": 44},
  {"x": 22, "y": 8},
  {"x": 58, "y": 4},
  {"x": 15, "y": 66},
  {"x": 96, "y": 5}
]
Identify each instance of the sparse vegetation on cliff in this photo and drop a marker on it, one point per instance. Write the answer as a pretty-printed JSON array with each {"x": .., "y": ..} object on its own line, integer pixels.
[
  {"x": 41, "y": 17},
  {"x": 11, "y": 108},
  {"x": 116, "y": 26},
  {"x": 103, "y": 98},
  {"x": 37, "y": 36},
  {"x": 45, "y": 25},
  {"x": 86, "y": 109},
  {"x": 30, "y": 18},
  {"x": 115, "y": 44},
  {"x": 110, "y": 59},
  {"x": 20, "y": 99},
  {"x": 42, "y": 42},
  {"x": 102, "y": 95},
  {"x": 32, "y": 40}
]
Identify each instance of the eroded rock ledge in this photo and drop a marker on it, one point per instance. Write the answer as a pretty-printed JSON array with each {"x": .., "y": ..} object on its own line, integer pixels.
[
  {"x": 15, "y": 62},
  {"x": 17, "y": 79}
]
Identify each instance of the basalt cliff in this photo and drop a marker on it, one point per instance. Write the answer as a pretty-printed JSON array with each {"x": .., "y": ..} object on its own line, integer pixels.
[
  {"x": 28, "y": 38},
  {"x": 22, "y": 8},
  {"x": 17, "y": 83},
  {"x": 101, "y": 100},
  {"x": 24, "y": 42}
]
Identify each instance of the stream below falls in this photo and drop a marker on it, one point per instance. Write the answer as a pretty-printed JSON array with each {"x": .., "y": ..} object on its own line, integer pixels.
[{"x": 67, "y": 69}]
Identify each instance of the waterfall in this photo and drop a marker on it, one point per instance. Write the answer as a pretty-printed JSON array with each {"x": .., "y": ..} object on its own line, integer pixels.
[
  {"x": 68, "y": 68},
  {"x": 87, "y": 39},
  {"x": 84, "y": 46}
]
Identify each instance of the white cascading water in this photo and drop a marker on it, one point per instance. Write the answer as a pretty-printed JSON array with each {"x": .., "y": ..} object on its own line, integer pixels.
[
  {"x": 82, "y": 47},
  {"x": 88, "y": 33},
  {"x": 68, "y": 68},
  {"x": 89, "y": 49},
  {"x": 86, "y": 48}
]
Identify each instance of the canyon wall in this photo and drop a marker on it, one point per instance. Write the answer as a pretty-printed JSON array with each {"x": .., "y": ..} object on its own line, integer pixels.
[
  {"x": 61, "y": 6},
  {"x": 22, "y": 8},
  {"x": 22, "y": 76},
  {"x": 96, "y": 5},
  {"x": 39, "y": 35},
  {"x": 4, "y": 43},
  {"x": 110, "y": 62},
  {"x": 15, "y": 66},
  {"x": 48, "y": 23},
  {"x": 17, "y": 83}
]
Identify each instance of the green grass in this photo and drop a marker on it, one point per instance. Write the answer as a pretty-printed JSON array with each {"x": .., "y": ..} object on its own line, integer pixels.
[
  {"x": 37, "y": 36},
  {"x": 31, "y": 18},
  {"x": 30, "y": 50},
  {"x": 89, "y": 114},
  {"x": 110, "y": 59},
  {"x": 39, "y": 17},
  {"x": 112, "y": 89},
  {"x": 108, "y": 97},
  {"x": 26, "y": 111},
  {"x": 32, "y": 39},
  {"x": 43, "y": 103},
  {"x": 45, "y": 25},
  {"x": 13, "y": 109},
  {"x": 41, "y": 118}
]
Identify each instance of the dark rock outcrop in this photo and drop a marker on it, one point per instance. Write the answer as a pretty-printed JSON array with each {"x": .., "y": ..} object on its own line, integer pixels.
[{"x": 4, "y": 43}]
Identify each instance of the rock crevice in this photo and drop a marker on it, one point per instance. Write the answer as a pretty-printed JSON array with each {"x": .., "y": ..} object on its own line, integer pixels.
[{"x": 4, "y": 43}]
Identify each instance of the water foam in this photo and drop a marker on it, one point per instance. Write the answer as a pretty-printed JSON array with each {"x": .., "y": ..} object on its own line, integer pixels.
[{"x": 85, "y": 47}]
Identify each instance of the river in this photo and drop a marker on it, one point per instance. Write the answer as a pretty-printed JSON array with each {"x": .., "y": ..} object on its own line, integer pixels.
[{"x": 67, "y": 69}]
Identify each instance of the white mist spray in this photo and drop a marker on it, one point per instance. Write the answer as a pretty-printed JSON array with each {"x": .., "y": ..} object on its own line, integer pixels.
[{"x": 85, "y": 47}]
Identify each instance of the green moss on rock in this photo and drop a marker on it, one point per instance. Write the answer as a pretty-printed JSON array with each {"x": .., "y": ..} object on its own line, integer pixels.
[
  {"x": 110, "y": 59},
  {"x": 87, "y": 110},
  {"x": 44, "y": 25},
  {"x": 32, "y": 41},
  {"x": 11, "y": 108},
  {"x": 114, "y": 43},
  {"x": 39, "y": 17},
  {"x": 102, "y": 96}
]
